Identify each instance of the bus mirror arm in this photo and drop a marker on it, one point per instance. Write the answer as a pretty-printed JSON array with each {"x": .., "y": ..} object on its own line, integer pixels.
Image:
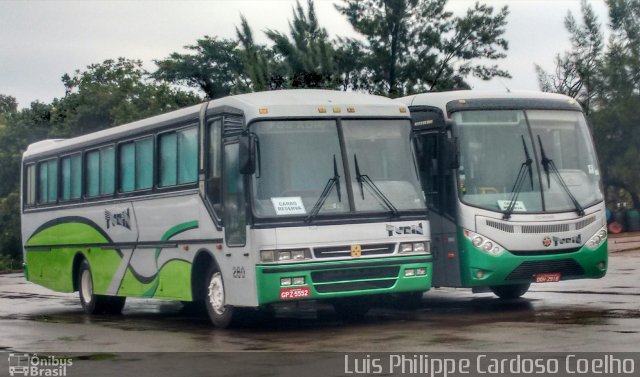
[{"x": 247, "y": 158}]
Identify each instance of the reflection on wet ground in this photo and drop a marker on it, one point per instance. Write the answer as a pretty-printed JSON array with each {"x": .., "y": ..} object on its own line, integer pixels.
[{"x": 584, "y": 315}]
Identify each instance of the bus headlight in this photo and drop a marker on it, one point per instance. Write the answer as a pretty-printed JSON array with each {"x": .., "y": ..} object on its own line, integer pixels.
[
  {"x": 597, "y": 238},
  {"x": 270, "y": 256},
  {"x": 415, "y": 247},
  {"x": 483, "y": 243}
]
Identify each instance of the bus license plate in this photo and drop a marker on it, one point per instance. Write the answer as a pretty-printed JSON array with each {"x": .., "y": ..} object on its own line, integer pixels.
[
  {"x": 294, "y": 293},
  {"x": 548, "y": 278}
]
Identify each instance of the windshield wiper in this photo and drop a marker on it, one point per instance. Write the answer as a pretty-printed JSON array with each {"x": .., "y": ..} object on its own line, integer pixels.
[
  {"x": 549, "y": 165},
  {"x": 517, "y": 186},
  {"x": 331, "y": 183},
  {"x": 364, "y": 179}
]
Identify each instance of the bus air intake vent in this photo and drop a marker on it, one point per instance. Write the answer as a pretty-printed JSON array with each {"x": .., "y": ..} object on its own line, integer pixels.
[
  {"x": 527, "y": 270},
  {"x": 583, "y": 223},
  {"x": 501, "y": 226},
  {"x": 344, "y": 251},
  {"x": 355, "y": 286},
  {"x": 355, "y": 274},
  {"x": 553, "y": 228}
]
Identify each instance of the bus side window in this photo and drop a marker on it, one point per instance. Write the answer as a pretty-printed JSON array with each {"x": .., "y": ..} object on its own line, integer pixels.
[
  {"x": 48, "y": 181},
  {"x": 427, "y": 149},
  {"x": 214, "y": 167},
  {"x": 31, "y": 185},
  {"x": 178, "y": 157}
]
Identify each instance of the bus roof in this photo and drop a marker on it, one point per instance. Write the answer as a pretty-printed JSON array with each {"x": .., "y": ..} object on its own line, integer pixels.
[
  {"x": 441, "y": 99},
  {"x": 278, "y": 103}
]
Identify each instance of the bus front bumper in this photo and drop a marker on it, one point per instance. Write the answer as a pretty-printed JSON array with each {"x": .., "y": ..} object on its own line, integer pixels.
[{"x": 326, "y": 280}]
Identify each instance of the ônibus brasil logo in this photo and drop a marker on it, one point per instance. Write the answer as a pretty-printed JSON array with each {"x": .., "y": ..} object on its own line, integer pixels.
[{"x": 23, "y": 364}]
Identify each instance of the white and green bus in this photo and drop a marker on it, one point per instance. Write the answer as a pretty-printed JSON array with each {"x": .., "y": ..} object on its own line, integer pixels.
[
  {"x": 513, "y": 189},
  {"x": 239, "y": 202}
]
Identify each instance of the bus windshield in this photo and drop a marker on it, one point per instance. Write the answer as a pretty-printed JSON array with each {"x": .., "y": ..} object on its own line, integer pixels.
[
  {"x": 296, "y": 162},
  {"x": 494, "y": 146}
]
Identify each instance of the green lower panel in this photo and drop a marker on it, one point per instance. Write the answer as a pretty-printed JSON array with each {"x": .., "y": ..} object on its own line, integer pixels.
[
  {"x": 508, "y": 268},
  {"x": 53, "y": 267},
  {"x": 172, "y": 282},
  {"x": 325, "y": 280}
]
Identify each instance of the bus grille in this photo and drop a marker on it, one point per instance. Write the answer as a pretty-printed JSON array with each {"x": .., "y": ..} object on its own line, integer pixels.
[
  {"x": 540, "y": 228},
  {"x": 355, "y": 274},
  {"x": 345, "y": 250},
  {"x": 354, "y": 286},
  {"x": 582, "y": 223},
  {"x": 553, "y": 228},
  {"x": 526, "y": 270},
  {"x": 544, "y": 252},
  {"x": 364, "y": 278}
]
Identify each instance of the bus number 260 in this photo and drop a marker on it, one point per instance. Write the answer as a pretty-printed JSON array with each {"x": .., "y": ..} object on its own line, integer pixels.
[{"x": 238, "y": 272}]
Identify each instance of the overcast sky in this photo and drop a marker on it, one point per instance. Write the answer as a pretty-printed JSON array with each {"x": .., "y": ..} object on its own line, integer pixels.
[{"x": 42, "y": 40}]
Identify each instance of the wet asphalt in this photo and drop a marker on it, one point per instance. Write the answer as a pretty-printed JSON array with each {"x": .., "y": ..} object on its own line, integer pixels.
[{"x": 580, "y": 315}]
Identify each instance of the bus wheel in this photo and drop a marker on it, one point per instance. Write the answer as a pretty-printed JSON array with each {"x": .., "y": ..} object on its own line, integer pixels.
[
  {"x": 91, "y": 302},
  {"x": 352, "y": 309},
  {"x": 220, "y": 314},
  {"x": 510, "y": 291}
]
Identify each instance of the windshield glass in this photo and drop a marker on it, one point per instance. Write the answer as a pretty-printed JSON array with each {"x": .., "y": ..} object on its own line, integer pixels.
[
  {"x": 383, "y": 151},
  {"x": 296, "y": 163},
  {"x": 493, "y": 147}
]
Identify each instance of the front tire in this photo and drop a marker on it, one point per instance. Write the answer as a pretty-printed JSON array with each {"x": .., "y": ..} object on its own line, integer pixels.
[
  {"x": 91, "y": 302},
  {"x": 220, "y": 314},
  {"x": 512, "y": 291}
]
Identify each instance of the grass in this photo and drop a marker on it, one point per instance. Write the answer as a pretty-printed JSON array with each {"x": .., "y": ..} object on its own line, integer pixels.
[{"x": 8, "y": 264}]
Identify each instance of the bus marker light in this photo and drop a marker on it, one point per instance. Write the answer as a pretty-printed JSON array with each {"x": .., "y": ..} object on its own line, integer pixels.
[
  {"x": 337, "y": 110},
  {"x": 322, "y": 110},
  {"x": 451, "y": 255},
  {"x": 263, "y": 110},
  {"x": 351, "y": 109},
  {"x": 185, "y": 247},
  {"x": 219, "y": 246},
  {"x": 403, "y": 110}
]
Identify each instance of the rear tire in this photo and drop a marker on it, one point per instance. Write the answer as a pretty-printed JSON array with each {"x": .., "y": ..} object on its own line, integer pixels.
[
  {"x": 512, "y": 291},
  {"x": 220, "y": 314},
  {"x": 91, "y": 302}
]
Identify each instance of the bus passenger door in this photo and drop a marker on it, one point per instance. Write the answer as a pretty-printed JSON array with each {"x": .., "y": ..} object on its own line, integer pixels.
[
  {"x": 437, "y": 182},
  {"x": 237, "y": 271}
]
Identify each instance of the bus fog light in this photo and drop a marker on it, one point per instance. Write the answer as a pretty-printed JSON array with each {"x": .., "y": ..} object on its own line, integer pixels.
[
  {"x": 410, "y": 272},
  {"x": 285, "y": 281},
  {"x": 266, "y": 255},
  {"x": 406, "y": 248},
  {"x": 479, "y": 274},
  {"x": 299, "y": 280},
  {"x": 602, "y": 265},
  {"x": 419, "y": 247},
  {"x": 421, "y": 271}
]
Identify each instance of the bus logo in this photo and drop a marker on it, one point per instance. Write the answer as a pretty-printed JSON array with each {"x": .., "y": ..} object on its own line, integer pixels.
[
  {"x": 18, "y": 364},
  {"x": 356, "y": 251},
  {"x": 546, "y": 242}
]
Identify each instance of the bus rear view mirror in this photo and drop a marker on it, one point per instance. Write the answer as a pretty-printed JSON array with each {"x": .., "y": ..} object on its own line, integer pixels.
[{"x": 247, "y": 158}]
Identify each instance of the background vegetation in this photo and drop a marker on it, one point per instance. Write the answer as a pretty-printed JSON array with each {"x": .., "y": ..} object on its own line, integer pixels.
[{"x": 403, "y": 47}]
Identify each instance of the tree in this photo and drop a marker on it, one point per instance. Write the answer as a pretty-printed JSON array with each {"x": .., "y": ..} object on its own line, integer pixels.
[
  {"x": 415, "y": 45},
  {"x": 111, "y": 93},
  {"x": 577, "y": 72},
  {"x": 8, "y": 104},
  {"x": 308, "y": 56},
  {"x": 214, "y": 66}
]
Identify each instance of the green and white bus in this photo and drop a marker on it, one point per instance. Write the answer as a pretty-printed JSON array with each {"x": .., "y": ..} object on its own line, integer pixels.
[
  {"x": 239, "y": 202},
  {"x": 513, "y": 189}
]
